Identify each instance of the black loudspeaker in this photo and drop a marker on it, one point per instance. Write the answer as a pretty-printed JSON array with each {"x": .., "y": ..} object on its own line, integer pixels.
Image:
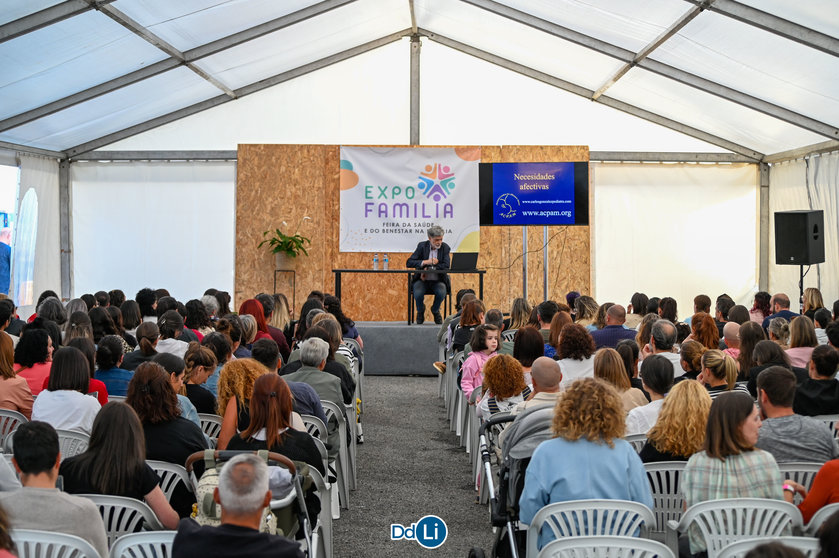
[{"x": 799, "y": 237}]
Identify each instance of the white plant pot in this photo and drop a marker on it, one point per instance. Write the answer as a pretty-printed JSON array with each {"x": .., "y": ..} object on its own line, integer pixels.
[{"x": 282, "y": 261}]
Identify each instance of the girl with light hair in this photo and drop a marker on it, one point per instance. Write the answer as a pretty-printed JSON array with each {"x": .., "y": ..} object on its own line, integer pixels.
[{"x": 679, "y": 431}]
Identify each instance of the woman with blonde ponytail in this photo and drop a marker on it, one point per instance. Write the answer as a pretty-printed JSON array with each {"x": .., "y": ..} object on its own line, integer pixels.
[{"x": 719, "y": 373}]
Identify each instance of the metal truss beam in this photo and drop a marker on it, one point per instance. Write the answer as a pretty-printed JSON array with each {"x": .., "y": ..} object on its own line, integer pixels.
[
  {"x": 74, "y": 152},
  {"x": 32, "y": 150},
  {"x": 209, "y": 155},
  {"x": 603, "y": 99},
  {"x": 170, "y": 63},
  {"x": 660, "y": 68},
  {"x": 815, "y": 149},
  {"x": 668, "y": 157},
  {"x": 776, "y": 25},
  {"x": 48, "y": 16}
]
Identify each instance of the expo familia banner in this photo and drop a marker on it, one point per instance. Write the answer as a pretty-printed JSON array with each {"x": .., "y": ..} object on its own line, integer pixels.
[{"x": 390, "y": 196}]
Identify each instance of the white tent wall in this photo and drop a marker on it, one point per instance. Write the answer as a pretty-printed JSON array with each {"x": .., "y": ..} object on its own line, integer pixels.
[
  {"x": 153, "y": 224},
  {"x": 808, "y": 183},
  {"x": 40, "y": 175},
  {"x": 675, "y": 230}
]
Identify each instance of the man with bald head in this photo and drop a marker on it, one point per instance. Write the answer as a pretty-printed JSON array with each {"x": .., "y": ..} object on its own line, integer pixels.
[
  {"x": 614, "y": 330},
  {"x": 731, "y": 337},
  {"x": 546, "y": 375},
  {"x": 779, "y": 303}
]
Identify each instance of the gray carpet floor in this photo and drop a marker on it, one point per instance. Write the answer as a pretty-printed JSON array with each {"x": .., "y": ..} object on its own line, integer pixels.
[{"x": 409, "y": 466}]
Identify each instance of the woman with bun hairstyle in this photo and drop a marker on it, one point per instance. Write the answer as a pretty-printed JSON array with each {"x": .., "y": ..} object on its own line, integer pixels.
[
  {"x": 719, "y": 373},
  {"x": 147, "y": 336},
  {"x": 109, "y": 357},
  {"x": 690, "y": 353},
  {"x": 78, "y": 325},
  {"x": 200, "y": 364},
  {"x": 779, "y": 332}
]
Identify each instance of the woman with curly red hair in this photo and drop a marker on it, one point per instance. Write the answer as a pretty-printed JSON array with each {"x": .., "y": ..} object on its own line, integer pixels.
[
  {"x": 587, "y": 458},
  {"x": 504, "y": 385}
]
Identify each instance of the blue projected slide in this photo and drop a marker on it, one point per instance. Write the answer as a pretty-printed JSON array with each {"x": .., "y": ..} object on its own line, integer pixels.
[{"x": 534, "y": 194}]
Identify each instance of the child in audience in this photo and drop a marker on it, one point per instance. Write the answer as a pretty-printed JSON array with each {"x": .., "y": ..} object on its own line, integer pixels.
[{"x": 484, "y": 345}]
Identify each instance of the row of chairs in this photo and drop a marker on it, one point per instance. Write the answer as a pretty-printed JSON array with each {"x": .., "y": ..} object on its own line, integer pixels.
[
  {"x": 724, "y": 525},
  {"x": 39, "y": 544}
]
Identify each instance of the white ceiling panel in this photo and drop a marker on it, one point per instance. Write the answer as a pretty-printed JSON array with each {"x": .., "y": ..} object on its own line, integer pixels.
[
  {"x": 819, "y": 15},
  {"x": 115, "y": 111},
  {"x": 517, "y": 42},
  {"x": 305, "y": 42},
  {"x": 186, "y": 24},
  {"x": 16, "y": 10},
  {"x": 67, "y": 57},
  {"x": 630, "y": 25},
  {"x": 709, "y": 113},
  {"x": 761, "y": 64}
]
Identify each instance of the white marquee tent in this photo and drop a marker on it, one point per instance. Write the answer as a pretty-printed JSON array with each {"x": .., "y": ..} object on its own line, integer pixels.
[{"x": 703, "y": 118}]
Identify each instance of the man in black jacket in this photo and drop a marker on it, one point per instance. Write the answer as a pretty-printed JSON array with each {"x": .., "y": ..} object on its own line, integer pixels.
[
  {"x": 433, "y": 254},
  {"x": 819, "y": 395}
]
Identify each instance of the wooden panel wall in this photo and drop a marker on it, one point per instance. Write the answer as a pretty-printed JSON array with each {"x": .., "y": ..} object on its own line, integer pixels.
[{"x": 277, "y": 183}]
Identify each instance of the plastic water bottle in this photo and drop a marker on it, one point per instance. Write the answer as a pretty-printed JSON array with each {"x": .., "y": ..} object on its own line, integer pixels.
[
  {"x": 385, "y": 262},
  {"x": 375, "y": 262}
]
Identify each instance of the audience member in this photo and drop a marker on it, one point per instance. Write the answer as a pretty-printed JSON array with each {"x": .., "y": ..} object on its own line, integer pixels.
[
  {"x": 704, "y": 329},
  {"x": 586, "y": 308},
  {"x": 472, "y": 317},
  {"x": 761, "y": 308},
  {"x": 730, "y": 466},
  {"x": 779, "y": 332},
  {"x": 813, "y": 301},
  {"x": 175, "y": 369},
  {"x": 608, "y": 366},
  {"x": 559, "y": 321},
  {"x": 15, "y": 394},
  {"x": 802, "y": 340},
  {"x": 333, "y": 367},
  {"x": 784, "y": 434},
  {"x": 115, "y": 463},
  {"x": 600, "y": 317},
  {"x": 527, "y": 347},
  {"x": 199, "y": 364},
  {"x": 39, "y": 504},
  {"x": 484, "y": 345},
  {"x": 662, "y": 342},
  {"x": 824, "y": 490},
  {"x": 503, "y": 384},
  {"x": 545, "y": 312},
  {"x": 222, "y": 348},
  {"x": 738, "y": 314},
  {"x": 243, "y": 494},
  {"x": 171, "y": 326},
  {"x": 690, "y": 359},
  {"x": 821, "y": 319},
  {"x": 33, "y": 357},
  {"x": 276, "y": 334},
  {"x": 667, "y": 309},
  {"x": 819, "y": 393},
  {"x": 332, "y": 304},
  {"x": 576, "y": 348},
  {"x": 131, "y": 318},
  {"x": 779, "y": 305},
  {"x": 829, "y": 538},
  {"x": 546, "y": 377},
  {"x": 636, "y": 310},
  {"x": 724, "y": 305},
  {"x": 588, "y": 427},
  {"x": 832, "y": 332},
  {"x": 614, "y": 329},
  {"x": 147, "y": 339},
  {"x": 109, "y": 357},
  {"x": 701, "y": 303},
  {"x": 235, "y": 387},
  {"x": 768, "y": 353},
  {"x": 197, "y": 318},
  {"x": 679, "y": 431},
  {"x": 719, "y": 373},
  {"x": 750, "y": 335},
  {"x": 64, "y": 404},
  {"x": 168, "y": 436},
  {"x": 629, "y": 352},
  {"x": 731, "y": 338},
  {"x": 657, "y": 377}
]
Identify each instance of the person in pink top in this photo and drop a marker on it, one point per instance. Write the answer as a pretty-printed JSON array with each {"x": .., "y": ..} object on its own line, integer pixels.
[
  {"x": 33, "y": 358},
  {"x": 14, "y": 391},
  {"x": 484, "y": 344},
  {"x": 802, "y": 341},
  {"x": 731, "y": 336}
]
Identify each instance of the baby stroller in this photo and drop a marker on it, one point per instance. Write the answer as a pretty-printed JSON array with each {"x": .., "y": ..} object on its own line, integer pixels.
[
  {"x": 525, "y": 431},
  {"x": 289, "y": 515}
]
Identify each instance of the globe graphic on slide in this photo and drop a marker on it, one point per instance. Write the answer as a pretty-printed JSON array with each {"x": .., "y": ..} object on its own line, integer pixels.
[{"x": 507, "y": 204}]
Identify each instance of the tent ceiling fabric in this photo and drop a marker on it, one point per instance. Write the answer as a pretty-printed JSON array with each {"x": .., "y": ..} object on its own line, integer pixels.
[{"x": 756, "y": 77}]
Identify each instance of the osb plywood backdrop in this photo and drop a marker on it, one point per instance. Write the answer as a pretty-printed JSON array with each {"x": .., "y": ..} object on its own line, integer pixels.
[{"x": 298, "y": 185}]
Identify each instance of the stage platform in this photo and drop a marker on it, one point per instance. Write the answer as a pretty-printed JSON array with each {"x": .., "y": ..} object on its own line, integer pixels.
[{"x": 398, "y": 349}]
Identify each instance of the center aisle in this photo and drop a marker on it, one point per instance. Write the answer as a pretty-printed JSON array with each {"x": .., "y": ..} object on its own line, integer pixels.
[{"x": 409, "y": 466}]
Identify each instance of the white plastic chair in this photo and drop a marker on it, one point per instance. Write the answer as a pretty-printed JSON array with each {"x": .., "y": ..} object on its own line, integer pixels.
[
  {"x": 72, "y": 443},
  {"x": 637, "y": 441},
  {"x": 315, "y": 427},
  {"x": 598, "y": 547},
  {"x": 9, "y": 421},
  {"x": 170, "y": 475},
  {"x": 322, "y": 535},
  {"x": 831, "y": 421},
  {"x": 333, "y": 411},
  {"x": 117, "y": 398},
  {"x": 123, "y": 515},
  {"x": 508, "y": 335},
  {"x": 808, "y": 546},
  {"x": 722, "y": 522},
  {"x": 32, "y": 543},
  {"x": 800, "y": 472},
  {"x": 153, "y": 544},
  {"x": 211, "y": 425},
  {"x": 668, "y": 503},
  {"x": 580, "y": 518},
  {"x": 820, "y": 517}
]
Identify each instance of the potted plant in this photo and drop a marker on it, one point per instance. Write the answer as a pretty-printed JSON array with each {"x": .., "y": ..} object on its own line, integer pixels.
[{"x": 284, "y": 246}]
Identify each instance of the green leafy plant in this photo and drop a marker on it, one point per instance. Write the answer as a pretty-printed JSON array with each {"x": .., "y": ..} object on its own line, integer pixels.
[{"x": 290, "y": 245}]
